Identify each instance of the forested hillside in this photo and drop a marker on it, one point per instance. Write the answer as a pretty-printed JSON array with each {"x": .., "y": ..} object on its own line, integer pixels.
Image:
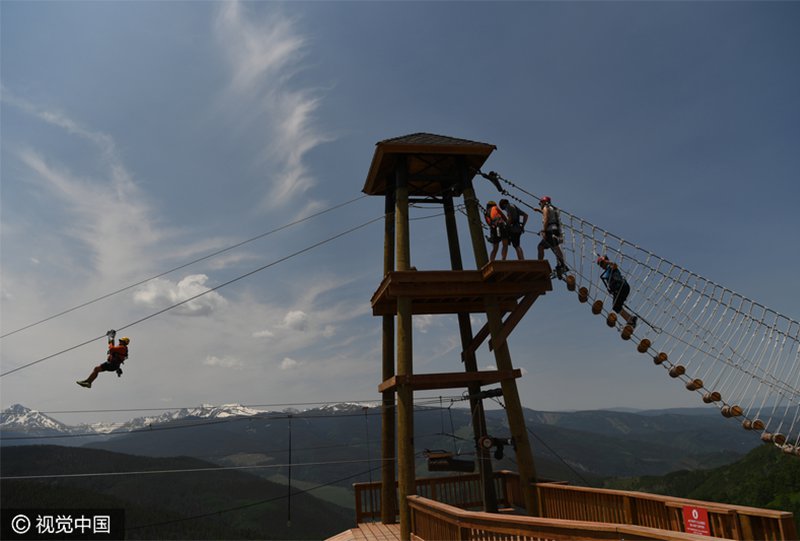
[
  {"x": 766, "y": 477},
  {"x": 167, "y": 504}
]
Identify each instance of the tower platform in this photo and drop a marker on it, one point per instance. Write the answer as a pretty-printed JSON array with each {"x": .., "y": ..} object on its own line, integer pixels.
[{"x": 465, "y": 291}]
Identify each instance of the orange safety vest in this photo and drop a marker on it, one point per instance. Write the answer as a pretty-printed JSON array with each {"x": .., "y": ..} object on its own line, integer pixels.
[
  {"x": 117, "y": 354},
  {"x": 496, "y": 216}
]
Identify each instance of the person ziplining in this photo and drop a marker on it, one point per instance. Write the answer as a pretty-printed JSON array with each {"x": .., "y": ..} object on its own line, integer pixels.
[{"x": 117, "y": 354}]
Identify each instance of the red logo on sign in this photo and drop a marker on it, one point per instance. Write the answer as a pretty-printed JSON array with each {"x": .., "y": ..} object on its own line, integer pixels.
[{"x": 695, "y": 520}]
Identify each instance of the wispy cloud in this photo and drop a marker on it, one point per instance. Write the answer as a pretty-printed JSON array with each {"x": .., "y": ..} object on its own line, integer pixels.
[
  {"x": 264, "y": 55},
  {"x": 108, "y": 213},
  {"x": 59, "y": 119}
]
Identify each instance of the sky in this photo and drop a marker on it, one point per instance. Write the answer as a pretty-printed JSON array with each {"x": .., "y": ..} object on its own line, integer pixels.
[{"x": 137, "y": 137}]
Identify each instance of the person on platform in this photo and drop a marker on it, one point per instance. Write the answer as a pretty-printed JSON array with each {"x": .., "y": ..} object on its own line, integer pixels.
[
  {"x": 517, "y": 218},
  {"x": 498, "y": 228}
]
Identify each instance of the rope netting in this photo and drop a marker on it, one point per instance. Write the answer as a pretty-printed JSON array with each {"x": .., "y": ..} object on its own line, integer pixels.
[{"x": 732, "y": 351}]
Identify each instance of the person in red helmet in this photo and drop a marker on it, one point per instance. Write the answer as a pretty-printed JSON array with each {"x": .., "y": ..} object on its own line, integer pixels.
[
  {"x": 551, "y": 234},
  {"x": 116, "y": 356},
  {"x": 617, "y": 285}
]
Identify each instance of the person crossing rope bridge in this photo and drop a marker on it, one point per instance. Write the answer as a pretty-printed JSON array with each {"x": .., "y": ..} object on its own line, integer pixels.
[
  {"x": 551, "y": 234},
  {"x": 736, "y": 353},
  {"x": 618, "y": 286}
]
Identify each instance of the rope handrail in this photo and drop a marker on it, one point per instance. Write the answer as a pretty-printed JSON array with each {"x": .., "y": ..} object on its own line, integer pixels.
[{"x": 735, "y": 352}]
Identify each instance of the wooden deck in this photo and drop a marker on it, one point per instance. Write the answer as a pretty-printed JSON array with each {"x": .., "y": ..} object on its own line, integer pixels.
[
  {"x": 440, "y": 512},
  {"x": 372, "y": 531},
  {"x": 452, "y": 292}
]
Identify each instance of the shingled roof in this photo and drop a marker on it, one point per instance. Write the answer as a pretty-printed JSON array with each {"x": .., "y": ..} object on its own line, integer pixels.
[{"x": 433, "y": 162}]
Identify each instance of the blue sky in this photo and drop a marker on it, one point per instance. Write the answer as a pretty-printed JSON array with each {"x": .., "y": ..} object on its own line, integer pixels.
[{"x": 138, "y": 136}]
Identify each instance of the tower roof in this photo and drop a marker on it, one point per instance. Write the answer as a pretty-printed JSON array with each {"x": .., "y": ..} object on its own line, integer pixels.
[{"x": 432, "y": 162}]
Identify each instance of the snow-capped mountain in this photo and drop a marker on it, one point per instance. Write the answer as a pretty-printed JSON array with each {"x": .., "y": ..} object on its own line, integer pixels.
[
  {"x": 206, "y": 411},
  {"x": 18, "y": 418},
  {"x": 19, "y": 423},
  {"x": 345, "y": 407},
  {"x": 21, "y": 420}
]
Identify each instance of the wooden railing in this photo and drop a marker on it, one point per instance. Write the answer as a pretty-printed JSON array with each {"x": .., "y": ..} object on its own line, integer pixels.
[
  {"x": 571, "y": 503},
  {"x": 462, "y": 491},
  {"x": 432, "y": 520},
  {"x": 662, "y": 512}
]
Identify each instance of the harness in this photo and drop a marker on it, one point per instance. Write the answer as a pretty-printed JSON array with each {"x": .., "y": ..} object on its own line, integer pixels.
[
  {"x": 553, "y": 220},
  {"x": 493, "y": 221},
  {"x": 115, "y": 356},
  {"x": 613, "y": 279}
]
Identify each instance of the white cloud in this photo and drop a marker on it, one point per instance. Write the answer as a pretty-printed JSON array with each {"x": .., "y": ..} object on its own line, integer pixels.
[
  {"x": 161, "y": 293},
  {"x": 266, "y": 333},
  {"x": 329, "y": 331},
  {"x": 297, "y": 320},
  {"x": 289, "y": 364},
  {"x": 423, "y": 322},
  {"x": 223, "y": 362}
]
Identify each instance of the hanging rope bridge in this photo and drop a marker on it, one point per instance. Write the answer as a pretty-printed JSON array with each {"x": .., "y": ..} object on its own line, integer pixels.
[{"x": 734, "y": 352}]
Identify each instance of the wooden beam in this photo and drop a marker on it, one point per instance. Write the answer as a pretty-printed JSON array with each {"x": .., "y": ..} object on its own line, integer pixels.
[
  {"x": 448, "y": 380},
  {"x": 513, "y": 318},
  {"x": 439, "y": 290},
  {"x": 452, "y": 306},
  {"x": 482, "y": 335}
]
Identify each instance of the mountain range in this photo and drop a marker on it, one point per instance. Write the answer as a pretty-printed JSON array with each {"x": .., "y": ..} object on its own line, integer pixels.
[
  {"x": 325, "y": 450},
  {"x": 577, "y": 446}
]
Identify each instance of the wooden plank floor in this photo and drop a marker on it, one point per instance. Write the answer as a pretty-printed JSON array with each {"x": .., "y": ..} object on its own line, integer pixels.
[{"x": 370, "y": 531}]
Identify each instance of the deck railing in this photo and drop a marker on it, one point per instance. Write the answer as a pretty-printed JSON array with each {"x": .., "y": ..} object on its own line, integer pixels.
[
  {"x": 572, "y": 503},
  {"x": 462, "y": 491},
  {"x": 432, "y": 520}
]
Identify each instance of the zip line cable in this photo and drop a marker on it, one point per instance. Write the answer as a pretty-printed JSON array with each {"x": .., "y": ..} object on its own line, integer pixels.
[
  {"x": 180, "y": 470},
  {"x": 194, "y": 297},
  {"x": 209, "y": 256}
]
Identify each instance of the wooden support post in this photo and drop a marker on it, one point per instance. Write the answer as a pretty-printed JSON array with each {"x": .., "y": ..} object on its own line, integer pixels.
[
  {"x": 405, "y": 393},
  {"x": 471, "y": 365},
  {"x": 516, "y": 418},
  {"x": 388, "y": 417}
]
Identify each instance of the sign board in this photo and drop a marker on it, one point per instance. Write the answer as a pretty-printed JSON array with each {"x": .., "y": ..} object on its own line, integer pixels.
[{"x": 695, "y": 520}]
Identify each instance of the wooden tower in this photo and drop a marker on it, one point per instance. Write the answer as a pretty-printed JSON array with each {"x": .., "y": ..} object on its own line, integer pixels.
[{"x": 437, "y": 169}]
